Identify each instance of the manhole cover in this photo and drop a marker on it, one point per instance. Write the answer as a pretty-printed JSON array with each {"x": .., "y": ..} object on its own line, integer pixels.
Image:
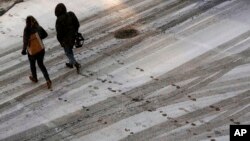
[{"x": 126, "y": 33}]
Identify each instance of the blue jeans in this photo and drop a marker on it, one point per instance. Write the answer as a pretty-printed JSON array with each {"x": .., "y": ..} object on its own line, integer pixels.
[{"x": 69, "y": 53}]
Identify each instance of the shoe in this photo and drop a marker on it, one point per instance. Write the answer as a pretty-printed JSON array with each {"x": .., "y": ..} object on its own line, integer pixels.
[
  {"x": 69, "y": 65},
  {"x": 78, "y": 67},
  {"x": 33, "y": 79},
  {"x": 49, "y": 83}
]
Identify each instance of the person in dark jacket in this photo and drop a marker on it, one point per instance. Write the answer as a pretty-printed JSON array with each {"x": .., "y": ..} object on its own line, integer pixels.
[
  {"x": 32, "y": 27},
  {"x": 67, "y": 26}
]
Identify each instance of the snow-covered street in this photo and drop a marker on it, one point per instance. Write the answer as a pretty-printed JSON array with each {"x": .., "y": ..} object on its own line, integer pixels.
[{"x": 185, "y": 76}]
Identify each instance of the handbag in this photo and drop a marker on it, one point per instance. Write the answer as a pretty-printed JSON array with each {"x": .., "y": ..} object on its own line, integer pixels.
[
  {"x": 79, "y": 40},
  {"x": 35, "y": 44}
]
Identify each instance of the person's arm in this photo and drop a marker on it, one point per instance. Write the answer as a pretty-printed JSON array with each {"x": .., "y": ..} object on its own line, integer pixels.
[
  {"x": 25, "y": 41},
  {"x": 42, "y": 33},
  {"x": 75, "y": 21},
  {"x": 59, "y": 30}
]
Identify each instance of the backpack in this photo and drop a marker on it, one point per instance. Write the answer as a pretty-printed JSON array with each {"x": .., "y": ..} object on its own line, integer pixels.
[{"x": 35, "y": 44}]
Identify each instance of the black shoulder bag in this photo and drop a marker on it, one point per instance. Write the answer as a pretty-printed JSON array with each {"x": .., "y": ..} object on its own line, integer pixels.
[{"x": 79, "y": 40}]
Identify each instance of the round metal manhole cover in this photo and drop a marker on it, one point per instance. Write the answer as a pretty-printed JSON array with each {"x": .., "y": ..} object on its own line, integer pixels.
[{"x": 126, "y": 33}]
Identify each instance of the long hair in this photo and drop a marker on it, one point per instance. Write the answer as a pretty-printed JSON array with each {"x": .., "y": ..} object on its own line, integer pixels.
[{"x": 31, "y": 22}]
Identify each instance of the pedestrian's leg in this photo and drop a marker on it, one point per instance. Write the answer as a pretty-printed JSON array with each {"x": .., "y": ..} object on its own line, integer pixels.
[
  {"x": 32, "y": 61},
  {"x": 72, "y": 61},
  {"x": 43, "y": 68},
  {"x": 69, "y": 53},
  {"x": 41, "y": 65}
]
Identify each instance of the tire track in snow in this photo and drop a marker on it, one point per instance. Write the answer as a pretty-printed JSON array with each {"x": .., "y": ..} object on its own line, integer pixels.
[
  {"x": 135, "y": 107},
  {"x": 147, "y": 89},
  {"x": 150, "y": 15},
  {"x": 57, "y": 49}
]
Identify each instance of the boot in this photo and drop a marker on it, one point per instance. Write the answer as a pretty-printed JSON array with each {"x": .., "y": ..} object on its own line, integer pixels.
[
  {"x": 78, "y": 68},
  {"x": 69, "y": 65},
  {"x": 33, "y": 79},
  {"x": 49, "y": 84}
]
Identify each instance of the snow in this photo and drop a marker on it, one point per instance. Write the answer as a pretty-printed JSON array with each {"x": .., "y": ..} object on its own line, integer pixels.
[
  {"x": 169, "y": 53},
  {"x": 117, "y": 130},
  {"x": 12, "y": 23}
]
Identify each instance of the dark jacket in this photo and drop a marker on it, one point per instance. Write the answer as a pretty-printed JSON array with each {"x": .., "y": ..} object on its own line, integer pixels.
[
  {"x": 28, "y": 31},
  {"x": 67, "y": 26}
]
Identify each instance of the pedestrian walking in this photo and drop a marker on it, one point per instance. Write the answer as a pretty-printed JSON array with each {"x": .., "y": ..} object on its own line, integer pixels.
[
  {"x": 67, "y": 26},
  {"x": 33, "y": 46}
]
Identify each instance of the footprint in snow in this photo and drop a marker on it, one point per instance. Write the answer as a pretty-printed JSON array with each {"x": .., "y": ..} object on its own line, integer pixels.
[
  {"x": 110, "y": 89},
  {"x": 235, "y": 122},
  {"x": 127, "y": 130},
  {"x": 60, "y": 99},
  {"x": 164, "y": 115},
  {"x": 193, "y": 124},
  {"x": 90, "y": 73},
  {"x": 85, "y": 75},
  {"x": 178, "y": 87},
  {"x": 140, "y": 69},
  {"x": 102, "y": 80},
  {"x": 152, "y": 77},
  {"x": 214, "y": 107},
  {"x": 85, "y": 108},
  {"x": 96, "y": 88},
  {"x": 217, "y": 132},
  {"x": 150, "y": 110},
  {"x": 191, "y": 98},
  {"x": 93, "y": 93},
  {"x": 119, "y": 62},
  {"x": 136, "y": 99},
  {"x": 209, "y": 136},
  {"x": 111, "y": 76},
  {"x": 115, "y": 82},
  {"x": 185, "y": 110}
]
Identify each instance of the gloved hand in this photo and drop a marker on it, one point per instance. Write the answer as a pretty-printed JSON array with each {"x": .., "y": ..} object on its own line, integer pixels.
[{"x": 24, "y": 52}]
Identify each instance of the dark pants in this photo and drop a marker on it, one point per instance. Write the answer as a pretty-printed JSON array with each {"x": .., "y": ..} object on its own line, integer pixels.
[
  {"x": 69, "y": 53},
  {"x": 39, "y": 58}
]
